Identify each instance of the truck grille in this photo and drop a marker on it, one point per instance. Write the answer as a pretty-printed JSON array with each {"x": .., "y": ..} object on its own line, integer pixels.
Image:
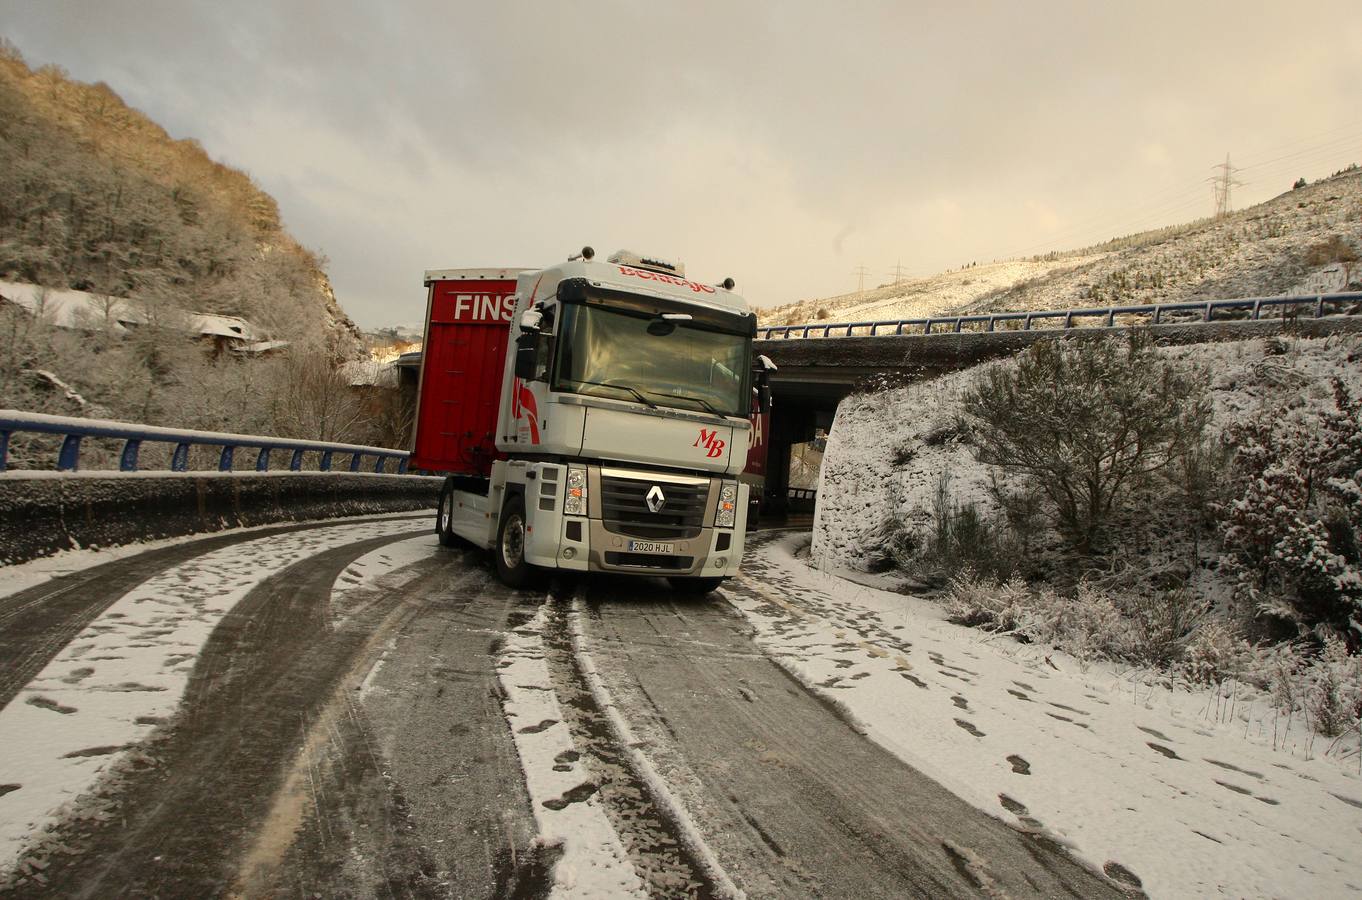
[
  {"x": 624, "y": 508},
  {"x": 648, "y": 561}
]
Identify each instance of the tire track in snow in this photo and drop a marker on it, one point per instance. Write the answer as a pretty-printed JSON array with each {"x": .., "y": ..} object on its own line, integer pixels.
[
  {"x": 265, "y": 592},
  {"x": 37, "y": 622}
]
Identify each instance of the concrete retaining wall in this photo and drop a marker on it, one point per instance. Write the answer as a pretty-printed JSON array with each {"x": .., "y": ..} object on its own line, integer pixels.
[{"x": 42, "y": 513}]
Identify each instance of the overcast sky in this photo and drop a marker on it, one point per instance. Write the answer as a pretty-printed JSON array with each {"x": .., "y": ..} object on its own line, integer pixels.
[{"x": 784, "y": 144}]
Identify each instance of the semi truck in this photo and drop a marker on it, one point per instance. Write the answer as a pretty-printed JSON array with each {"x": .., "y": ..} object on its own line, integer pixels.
[{"x": 592, "y": 416}]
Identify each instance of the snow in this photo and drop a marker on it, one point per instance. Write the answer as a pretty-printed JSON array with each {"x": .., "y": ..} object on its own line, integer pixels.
[
  {"x": 23, "y": 576},
  {"x": 127, "y": 671},
  {"x": 1183, "y": 788},
  {"x": 223, "y": 326},
  {"x": 375, "y": 571},
  {"x": 594, "y": 862},
  {"x": 72, "y": 309},
  {"x": 920, "y": 298},
  {"x": 867, "y": 483},
  {"x": 657, "y": 785},
  {"x": 87, "y": 311}
]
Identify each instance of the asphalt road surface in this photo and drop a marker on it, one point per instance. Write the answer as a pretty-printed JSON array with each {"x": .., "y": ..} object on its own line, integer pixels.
[{"x": 358, "y": 745}]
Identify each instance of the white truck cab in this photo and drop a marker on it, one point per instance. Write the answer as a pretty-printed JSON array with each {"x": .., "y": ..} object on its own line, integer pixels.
[{"x": 622, "y": 424}]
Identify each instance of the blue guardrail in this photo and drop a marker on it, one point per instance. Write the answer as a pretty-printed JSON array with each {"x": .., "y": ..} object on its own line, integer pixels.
[{"x": 74, "y": 430}]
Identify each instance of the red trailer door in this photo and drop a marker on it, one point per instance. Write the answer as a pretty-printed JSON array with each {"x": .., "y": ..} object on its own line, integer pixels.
[{"x": 467, "y": 329}]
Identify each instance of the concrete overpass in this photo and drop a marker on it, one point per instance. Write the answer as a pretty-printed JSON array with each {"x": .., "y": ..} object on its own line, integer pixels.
[{"x": 815, "y": 373}]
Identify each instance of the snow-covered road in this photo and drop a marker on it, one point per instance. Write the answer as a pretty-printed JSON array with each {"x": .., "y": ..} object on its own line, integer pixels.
[
  {"x": 347, "y": 708},
  {"x": 1193, "y": 794}
]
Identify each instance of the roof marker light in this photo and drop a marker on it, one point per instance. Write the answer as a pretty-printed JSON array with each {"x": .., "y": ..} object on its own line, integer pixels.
[{"x": 586, "y": 254}]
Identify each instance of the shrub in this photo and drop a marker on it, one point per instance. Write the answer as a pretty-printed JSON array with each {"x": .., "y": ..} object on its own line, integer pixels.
[
  {"x": 1161, "y": 624},
  {"x": 1333, "y": 689},
  {"x": 981, "y": 602},
  {"x": 1094, "y": 623},
  {"x": 1086, "y": 423},
  {"x": 960, "y": 539},
  {"x": 1295, "y": 527},
  {"x": 1213, "y": 653}
]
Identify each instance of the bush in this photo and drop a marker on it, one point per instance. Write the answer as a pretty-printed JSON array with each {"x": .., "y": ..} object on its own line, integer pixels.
[
  {"x": 960, "y": 539},
  {"x": 1295, "y": 529},
  {"x": 1087, "y": 423},
  {"x": 1161, "y": 625},
  {"x": 987, "y": 603},
  {"x": 1094, "y": 623}
]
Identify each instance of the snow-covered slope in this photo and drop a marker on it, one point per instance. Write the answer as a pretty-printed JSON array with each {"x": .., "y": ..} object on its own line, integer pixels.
[
  {"x": 1280, "y": 246},
  {"x": 887, "y": 451}
]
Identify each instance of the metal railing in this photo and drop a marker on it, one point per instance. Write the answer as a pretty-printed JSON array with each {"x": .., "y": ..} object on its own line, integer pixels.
[
  {"x": 1347, "y": 303},
  {"x": 73, "y": 431}
]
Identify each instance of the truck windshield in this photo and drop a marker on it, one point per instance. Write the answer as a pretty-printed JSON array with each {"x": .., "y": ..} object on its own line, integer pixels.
[{"x": 610, "y": 352}]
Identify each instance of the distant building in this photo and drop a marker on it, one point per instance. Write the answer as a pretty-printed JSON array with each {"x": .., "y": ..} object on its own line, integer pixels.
[{"x": 82, "y": 311}]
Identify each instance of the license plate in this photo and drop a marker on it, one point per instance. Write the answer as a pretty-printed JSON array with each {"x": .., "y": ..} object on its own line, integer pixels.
[{"x": 650, "y": 547}]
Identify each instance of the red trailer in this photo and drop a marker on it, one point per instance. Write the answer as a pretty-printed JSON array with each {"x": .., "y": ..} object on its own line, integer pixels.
[{"x": 468, "y": 318}]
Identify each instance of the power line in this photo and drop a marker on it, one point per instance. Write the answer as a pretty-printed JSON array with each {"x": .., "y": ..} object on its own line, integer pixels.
[{"x": 898, "y": 272}]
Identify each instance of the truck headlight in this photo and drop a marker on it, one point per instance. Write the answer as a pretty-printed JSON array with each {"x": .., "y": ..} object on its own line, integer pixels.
[
  {"x": 575, "y": 502},
  {"x": 727, "y": 513}
]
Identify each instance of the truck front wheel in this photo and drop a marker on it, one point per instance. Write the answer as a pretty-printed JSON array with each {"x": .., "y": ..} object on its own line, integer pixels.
[
  {"x": 512, "y": 569},
  {"x": 444, "y": 519},
  {"x": 695, "y": 586}
]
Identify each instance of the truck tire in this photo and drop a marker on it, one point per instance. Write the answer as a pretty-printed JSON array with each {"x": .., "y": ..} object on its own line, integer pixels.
[
  {"x": 444, "y": 518},
  {"x": 695, "y": 586},
  {"x": 512, "y": 569}
]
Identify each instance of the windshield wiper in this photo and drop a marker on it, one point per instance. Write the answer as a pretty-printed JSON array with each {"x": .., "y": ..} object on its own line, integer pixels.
[
  {"x": 708, "y": 407},
  {"x": 638, "y": 395}
]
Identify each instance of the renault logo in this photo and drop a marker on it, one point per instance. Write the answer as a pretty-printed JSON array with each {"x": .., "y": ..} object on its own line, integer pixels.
[{"x": 656, "y": 499}]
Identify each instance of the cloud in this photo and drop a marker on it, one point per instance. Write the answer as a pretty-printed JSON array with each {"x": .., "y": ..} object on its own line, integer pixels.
[{"x": 767, "y": 142}]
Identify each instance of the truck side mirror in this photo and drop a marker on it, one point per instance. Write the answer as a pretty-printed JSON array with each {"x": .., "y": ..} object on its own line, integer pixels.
[
  {"x": 526, "y": 355},
  {"x": 764, "y": 399},
  {"x": 530, "y": 320}
]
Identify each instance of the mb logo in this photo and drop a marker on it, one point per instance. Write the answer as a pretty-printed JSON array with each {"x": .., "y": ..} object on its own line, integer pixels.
[{"x": 710, "y": 441}]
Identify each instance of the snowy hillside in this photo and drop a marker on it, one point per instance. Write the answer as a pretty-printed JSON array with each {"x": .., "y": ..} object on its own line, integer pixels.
[
  {"x": 888, "y": 451},
  {"x": 1302, "y": 241}
]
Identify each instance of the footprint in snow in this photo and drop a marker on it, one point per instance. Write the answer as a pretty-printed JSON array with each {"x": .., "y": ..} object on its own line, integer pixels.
[
  {"x": 914, "y": 679},
  {"x": 1154, "y": 732},
  {"x": 1019, "y": 765},
  {"x": 9, "y": 788},
  {"x": 95, "y": 751},
  {"x": 1348, "y": 800},
  {"x": 960, "y": 701},
  {"x": 535, "y": 729},
  {"x": 1021, "y": 812},
  {"x": 1159, "y": 748},
  {"x": 50, "y": 704},
  {"x": 1019, "y": 695},
  {"x": 1117, "y": 872},
  {"x": 969, "y": 726},
  {"x": 1233, "y": 768},
  {"x": 575, "y": 795},
  {"x": 1023, "y": 685}
]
